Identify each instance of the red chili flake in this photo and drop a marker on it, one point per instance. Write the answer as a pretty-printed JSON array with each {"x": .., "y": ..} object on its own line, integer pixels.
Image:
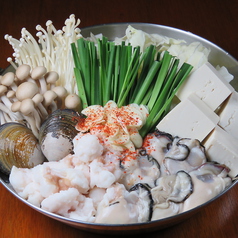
[
  {"x": 146, "y": 142},
  {"x": 109, "y": 129},
  {"x": 128, "y": 155},
  {"x": 81, "y": 124}
]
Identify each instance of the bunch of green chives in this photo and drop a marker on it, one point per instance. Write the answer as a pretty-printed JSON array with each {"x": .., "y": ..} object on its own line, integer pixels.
[{"x": 106, "y": 71}]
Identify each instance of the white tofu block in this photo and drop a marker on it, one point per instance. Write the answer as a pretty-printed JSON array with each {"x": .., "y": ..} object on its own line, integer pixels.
[
  {"x": 222, "y": 147},
  {"x": 191, "y": 118},
  {"x": 229, "y": 115},
  {"x": 208, "y": 84}
]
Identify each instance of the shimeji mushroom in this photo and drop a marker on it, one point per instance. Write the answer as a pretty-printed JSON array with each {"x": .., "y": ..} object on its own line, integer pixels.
[
  {"x": 38, "y": 74},
  {"x": 38, "y": 99},
  {"x": 61, "y": 94},
  {"x": 5, "y": 107},
  {"x": 29, "y": 96},
  {"x": 27, "y": 108},
  {"x": 51, "y": 78},
  {"x": 49, "y": 100},
  {"x": 8, "y": 80},
  {"x": 72, "y": 101},
  {"x": 26, "y": 90},
  {"x": 23, "y": 72},
  {"x": 5, "y": 112}
]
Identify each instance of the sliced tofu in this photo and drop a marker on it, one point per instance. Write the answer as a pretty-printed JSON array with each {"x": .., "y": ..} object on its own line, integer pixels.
[
  {"x": 222, "y": 147},
  {"x": 229, "y": 115},
  {"x": 191, "y": 118},
  {"x": 209, "y": 86}
]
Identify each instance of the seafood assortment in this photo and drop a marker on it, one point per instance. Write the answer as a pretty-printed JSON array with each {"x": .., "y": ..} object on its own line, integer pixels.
[
  {"x": 92, "y": 164},
  {"x": 162, "y": 178}
]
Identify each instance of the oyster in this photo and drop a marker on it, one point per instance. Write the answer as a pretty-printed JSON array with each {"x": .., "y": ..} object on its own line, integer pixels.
[
  {"x": 209, "y": 180},
  {"x": 57, "y": 132},
  {"x": 170, "y": 193},
  {"x": 174, "y": 188},
  {"x": 184, "y": 154},
  {"x": 120, "y": 206},
  {"x": 144, "y": 202},
  {"x": 166, "y": 209},
  {"x": 156, "y": 145},
  {"x": 18, "y": 147},
  {"x": 174, "y": 153},
  {"x": 139, "y": 167}
]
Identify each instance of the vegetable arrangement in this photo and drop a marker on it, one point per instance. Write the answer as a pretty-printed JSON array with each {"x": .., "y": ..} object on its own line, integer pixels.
[{"x": 122, "y": 73}]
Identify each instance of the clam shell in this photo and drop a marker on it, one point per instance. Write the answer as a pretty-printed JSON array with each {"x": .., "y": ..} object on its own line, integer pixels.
[
  {"x": 18, "y": 147},
  {"x": 57, "y": 132}
]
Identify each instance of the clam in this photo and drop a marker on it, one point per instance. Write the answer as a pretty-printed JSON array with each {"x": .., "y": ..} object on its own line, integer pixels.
[
  {"x": 57, "y": 132},
  {"x": 18, "y": 147}
]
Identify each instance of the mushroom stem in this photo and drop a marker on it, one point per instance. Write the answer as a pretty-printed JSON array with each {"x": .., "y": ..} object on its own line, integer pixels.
[
  {"x": 43, "y": 85},
  {"x": 31, "y": 115},
  {"x": 38, "y": 74},
  {"x": 9, "y": 60},
  {"x": 38, "y": 99},
  {"x": 6, "y": 107},
  {"x": 51, "y": 78},
  {"x": 61, "y": 94},
  {"x": 49, "y": 97},
  {"x": 32, "y": 125},
  {"x": 37, "y": 119},
  {"x": 2, "y": 118},
  {"x": 8, "y": 114},
  {"x": 6, "y": 117}
]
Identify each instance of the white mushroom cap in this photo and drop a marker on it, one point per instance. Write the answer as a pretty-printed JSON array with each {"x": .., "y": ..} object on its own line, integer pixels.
[
  {"x": 11, "y": 94},
  {"x": 51, "y": 77},
  {"x": 72, "y": 101},
  {"x": 60, "y": 91},
  {"x": 49, "y": 97},
  {"x": 38, "y": 98},
  {"x": 8, "y": 79},
  {"x": 38, "y": 72},
  {"x": 16, "y": 106},
  {"x": 23, "y": 72},
  {"x": 27, "y": 106},
  {"x": 26, "y": 90},
  {"x": 3, "y": 89}
]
